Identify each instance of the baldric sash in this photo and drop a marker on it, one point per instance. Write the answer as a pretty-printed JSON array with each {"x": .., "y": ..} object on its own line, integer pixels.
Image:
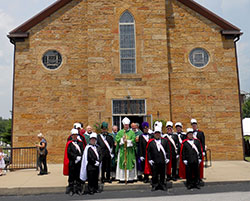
[{"x": 107, "y": 145}]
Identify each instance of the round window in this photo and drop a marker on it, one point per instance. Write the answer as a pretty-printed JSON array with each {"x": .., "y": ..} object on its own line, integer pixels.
[
  {"x": 199, "y": 57},
  {"x": 52, "y": 59}
]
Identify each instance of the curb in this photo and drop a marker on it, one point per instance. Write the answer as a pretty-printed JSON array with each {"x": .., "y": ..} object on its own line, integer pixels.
[{"x": 21, "y": 191}]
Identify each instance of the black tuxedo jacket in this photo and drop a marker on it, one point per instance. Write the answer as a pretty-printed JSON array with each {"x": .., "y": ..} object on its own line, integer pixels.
[
  {"x": 189, "y": 154},
  {"x": 155, "y": 155},
  {"x": 104, "y": 149},
  {"x": 92, "y": 158},
  {"x": 142, "y": 144}
]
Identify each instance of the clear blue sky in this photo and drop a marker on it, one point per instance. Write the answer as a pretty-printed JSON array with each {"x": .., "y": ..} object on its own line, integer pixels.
[{"x": 15, "y": 12}]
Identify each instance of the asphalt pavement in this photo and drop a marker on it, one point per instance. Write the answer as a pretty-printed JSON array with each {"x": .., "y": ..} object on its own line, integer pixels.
[
  {"x": 238, "y": 191},
  {"x": 27, "y": 182}
]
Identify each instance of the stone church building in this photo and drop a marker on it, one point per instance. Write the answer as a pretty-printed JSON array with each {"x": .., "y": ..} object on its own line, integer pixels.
[{"x": 101, "y": 60}]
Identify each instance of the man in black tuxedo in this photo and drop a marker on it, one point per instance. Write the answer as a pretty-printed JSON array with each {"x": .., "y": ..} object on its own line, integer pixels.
[
  {"x": 201, "y": 136},
  {"x": 106, "y": 143},
  {"x": 191, "y": 156},
  {"x": 91, "y": 162},
  {"x": 75, "y": 150},
  {"x": 175, "y": 147},
  {"x": 158, "y": 157},
  {"x": 142, "y": 144}
]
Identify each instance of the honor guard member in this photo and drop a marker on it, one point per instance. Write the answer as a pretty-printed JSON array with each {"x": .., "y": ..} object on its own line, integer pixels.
[
  {"x": 77, "y": 126},
  {"x": 126, "y": 161},
  {"x": 174, "y": 142},
  {"x": 91, "y": 163},
  {"x": 113, "y": 163},
  {"x": 106, "y": 143},
  {"x": 181, "y": 135},
  {"x": 157, "y": 158},
  {"x": 198, "y": 134},
  {"x": 88, "y": 133},
  {"x": 201, "y": 136},
  {"x": 138, "y": 132},
  {"x": 72, "y": 163},
  {"x": 190, "y": 159},
  {"x": 143, "y": 141},
  {"x": 82, "y": 131}
]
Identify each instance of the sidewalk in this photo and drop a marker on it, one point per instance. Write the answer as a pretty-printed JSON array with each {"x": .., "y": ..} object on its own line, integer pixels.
[{"x": 24, "y": 182}]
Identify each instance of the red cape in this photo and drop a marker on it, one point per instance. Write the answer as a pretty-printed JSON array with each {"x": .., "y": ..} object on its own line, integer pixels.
[
  {"x": 66, "y": 159},
  {"x": 182, "y": 166},
  {"x": 147, "y": 169}
]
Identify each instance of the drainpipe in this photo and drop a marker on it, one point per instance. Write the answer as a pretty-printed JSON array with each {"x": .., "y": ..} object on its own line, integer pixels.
[{"x": 237, "y": 68}]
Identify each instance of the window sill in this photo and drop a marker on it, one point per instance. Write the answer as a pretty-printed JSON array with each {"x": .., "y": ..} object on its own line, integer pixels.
[{"x": 128, "y": 77}]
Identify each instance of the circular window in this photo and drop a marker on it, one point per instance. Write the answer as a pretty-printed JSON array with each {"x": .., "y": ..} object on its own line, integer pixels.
[
  {"x": 199, "y": 57},
  {"x": 52, "y": 59}
]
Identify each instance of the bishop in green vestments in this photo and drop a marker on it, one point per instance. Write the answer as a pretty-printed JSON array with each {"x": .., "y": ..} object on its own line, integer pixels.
[{"x": 131, "y": 146}]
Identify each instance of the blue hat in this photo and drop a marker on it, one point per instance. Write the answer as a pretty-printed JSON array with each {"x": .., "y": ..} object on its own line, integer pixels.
[{"x": 145, "y": 125}]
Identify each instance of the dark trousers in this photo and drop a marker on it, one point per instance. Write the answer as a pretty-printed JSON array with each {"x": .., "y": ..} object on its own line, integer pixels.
[
  {"x": 106, "y": 167},
  {"x": 93, "y": 179},
  {"x": 42, "y": 163},
  {"x": 74, "y": 173},
  {"x": 174, "y": 167},
  {"x": 158, "y": 169},
  {"x": 192, "y": 173},
  {"x": 143, "y": 167}
]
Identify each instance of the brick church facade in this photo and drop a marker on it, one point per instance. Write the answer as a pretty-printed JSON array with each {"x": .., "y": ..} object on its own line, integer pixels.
[{"x": 93, "y": 61}]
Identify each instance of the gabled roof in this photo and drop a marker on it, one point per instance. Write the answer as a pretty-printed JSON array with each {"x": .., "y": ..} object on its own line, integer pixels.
[{"x": 22, "y": 30}]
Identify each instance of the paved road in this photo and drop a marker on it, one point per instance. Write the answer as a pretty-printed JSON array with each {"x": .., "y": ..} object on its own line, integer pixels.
[{"x": 220, "y": 192}]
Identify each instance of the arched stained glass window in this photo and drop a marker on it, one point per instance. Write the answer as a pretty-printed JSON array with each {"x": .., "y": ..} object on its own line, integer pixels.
[{"x": 127, "y": 43}]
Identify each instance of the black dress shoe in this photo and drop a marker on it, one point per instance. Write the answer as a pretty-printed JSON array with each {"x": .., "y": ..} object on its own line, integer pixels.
[
  {"x": 174, "y": 179},
  {"x": 40, "y": 174},
  {"x": 189, "y": 187},
  {"x": 164, "y": 188},
  {"x": 153, "y": 188}
]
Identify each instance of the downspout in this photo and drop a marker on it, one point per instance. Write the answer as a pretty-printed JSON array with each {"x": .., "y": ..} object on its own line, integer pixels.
[
  {"x": 237, "y": 69},
  {"x": 13, "y": 89}
]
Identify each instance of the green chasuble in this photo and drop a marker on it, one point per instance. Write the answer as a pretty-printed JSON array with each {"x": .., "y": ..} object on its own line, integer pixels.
[{"x": 130, "y": 150}]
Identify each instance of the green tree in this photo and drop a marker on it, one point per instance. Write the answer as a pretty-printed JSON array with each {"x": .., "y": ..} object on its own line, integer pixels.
[
  {"x": 246, "y": 109},
  {"x": 5, "y": 130}
]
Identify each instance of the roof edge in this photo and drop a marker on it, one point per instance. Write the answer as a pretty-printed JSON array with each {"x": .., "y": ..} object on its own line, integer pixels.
[
  {"x": 39, "y": 17},
  {"x": 209, "y": 15}
]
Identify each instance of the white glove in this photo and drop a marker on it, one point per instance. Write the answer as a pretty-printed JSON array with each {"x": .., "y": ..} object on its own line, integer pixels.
[
  {"x": 177, "y": 156},
  {"x": 185, "y": 162},
  {"x": 97, "y": 163},
  {"x": 151, "y": 162},
  {"x": 121, "y": 141},
  {"x": 112, "y": 156},
  {"x": 78, "y": 158},
  {"x": 129, "y": 143},
  {"x": 204, "y": 153},
  {"x": 199, "y": 161},
  {"x": 166, "y": 161},
  {"x": 142, "y": 158}
]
